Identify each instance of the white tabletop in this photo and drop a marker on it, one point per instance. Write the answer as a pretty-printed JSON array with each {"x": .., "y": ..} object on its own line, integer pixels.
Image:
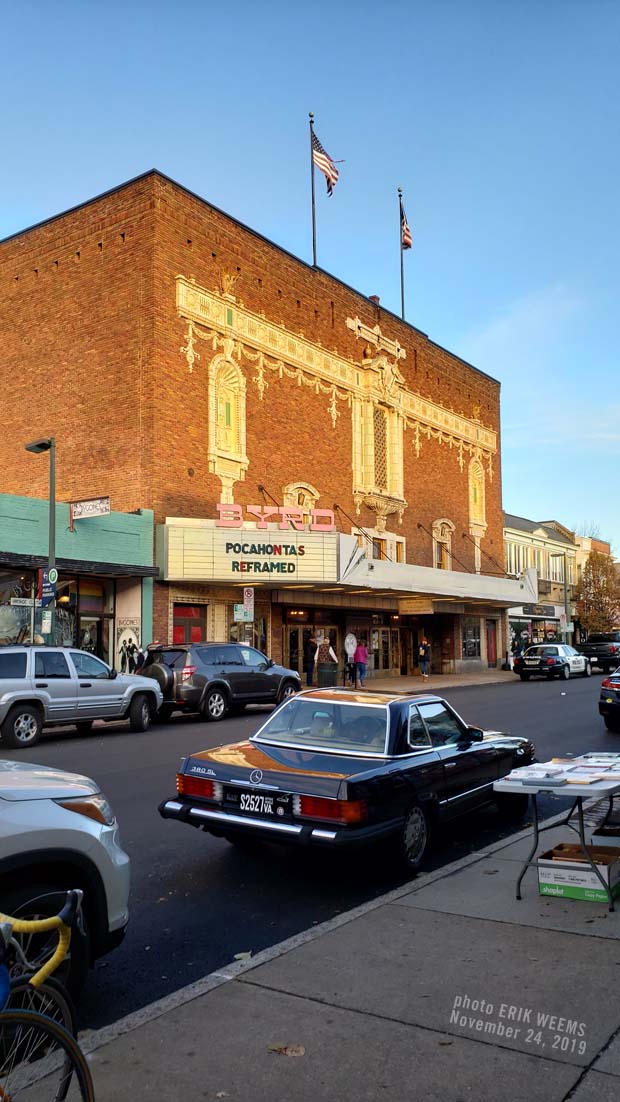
[{"x": 597, "y": 788}]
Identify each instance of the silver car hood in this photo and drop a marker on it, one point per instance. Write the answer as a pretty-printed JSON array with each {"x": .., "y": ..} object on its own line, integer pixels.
[{"x": 21, "y": 780}]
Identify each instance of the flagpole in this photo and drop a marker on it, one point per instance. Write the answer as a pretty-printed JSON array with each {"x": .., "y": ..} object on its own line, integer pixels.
[
  {"x": 402, "y": 268},
  {"x": 311, "y": 114}
]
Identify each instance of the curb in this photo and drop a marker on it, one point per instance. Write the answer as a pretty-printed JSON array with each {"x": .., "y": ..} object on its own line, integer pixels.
[{"x": 91, "y": 1040}]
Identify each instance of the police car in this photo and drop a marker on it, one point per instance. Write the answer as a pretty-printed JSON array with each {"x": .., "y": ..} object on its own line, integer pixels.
[{"x": 551, "y": 660}]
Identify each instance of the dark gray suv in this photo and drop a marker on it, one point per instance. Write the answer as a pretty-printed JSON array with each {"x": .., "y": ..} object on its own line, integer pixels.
[{"x": 215, "y": 678}]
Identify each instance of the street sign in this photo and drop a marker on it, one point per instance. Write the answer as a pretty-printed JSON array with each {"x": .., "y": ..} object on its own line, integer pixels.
[
  {"x": 52, "y": 575},
  {"x": 248, "y": 601},
  {"x": 242, "y": 615},
  {"x": 25, "y": 602},
  {"x": 46, "y": 622},
  {"x": 47, "y": 587}
]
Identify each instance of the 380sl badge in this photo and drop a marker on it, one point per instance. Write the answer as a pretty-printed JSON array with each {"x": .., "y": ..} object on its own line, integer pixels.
[{"x": 256, "y": 776}]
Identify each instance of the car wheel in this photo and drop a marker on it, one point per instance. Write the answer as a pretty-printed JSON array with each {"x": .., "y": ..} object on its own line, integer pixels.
[
  {"x": 84, "y": 727},
  {"x": 22, "y": 727},
  {"x": 415, "y": 838},
  {"x": 612, "y": 724},
  {"x": 140, "y": 713},
  {"x": 42, "y": 901},
  {"x": 512, "y": 806},
  {"x": 565, "y": 673},
  {"x": 215, "y": 705},
  {"x": 524, "y": 676},
  {"x": 588, "y": 670},
  {"x": 286, "y": 690}
]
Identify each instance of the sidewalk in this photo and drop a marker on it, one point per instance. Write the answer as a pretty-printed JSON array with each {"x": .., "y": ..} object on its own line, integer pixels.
[
  {"x": 437, "y": 682},
  {"x": 446, "y": 989}
]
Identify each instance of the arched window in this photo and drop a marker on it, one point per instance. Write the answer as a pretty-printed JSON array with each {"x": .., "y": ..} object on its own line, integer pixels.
[
  {"x": 301, "y": 495},
  {"x": 442, "y": 544},
  {"x": 228, "y": 400},
  {"x": 477, "y": 504},
  {"x": 226, "y": 429}
]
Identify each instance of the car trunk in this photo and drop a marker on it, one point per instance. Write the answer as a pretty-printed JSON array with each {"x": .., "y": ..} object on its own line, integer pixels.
[{"x": 283, "y": 768}]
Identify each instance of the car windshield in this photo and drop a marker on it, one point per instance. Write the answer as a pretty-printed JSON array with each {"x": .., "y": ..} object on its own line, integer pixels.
[
  {"x": 541, "y": 652},
  {"x": 347, "y": 728}
]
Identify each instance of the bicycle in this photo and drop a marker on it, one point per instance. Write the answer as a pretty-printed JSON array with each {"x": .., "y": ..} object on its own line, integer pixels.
[
  {"x": 39, "y": 1058},
  {"x": 46, "y": 995}
]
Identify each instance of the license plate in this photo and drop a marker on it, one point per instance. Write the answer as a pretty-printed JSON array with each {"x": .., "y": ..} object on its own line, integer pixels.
[
  {"x": 531, "y": 661},
  {"x": 270, "y": 804}
]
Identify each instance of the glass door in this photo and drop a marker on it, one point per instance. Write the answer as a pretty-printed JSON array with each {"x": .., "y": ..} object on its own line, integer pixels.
[{"x": 293, "y": 658}]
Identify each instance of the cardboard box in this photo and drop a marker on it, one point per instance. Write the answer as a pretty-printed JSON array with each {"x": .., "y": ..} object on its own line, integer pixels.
[{"x": 564, "y": 872}]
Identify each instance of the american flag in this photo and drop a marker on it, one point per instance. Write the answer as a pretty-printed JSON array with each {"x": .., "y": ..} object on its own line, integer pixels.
[
  {"x": 323, "y": 161},
  {"x": 406, "y": 239}
]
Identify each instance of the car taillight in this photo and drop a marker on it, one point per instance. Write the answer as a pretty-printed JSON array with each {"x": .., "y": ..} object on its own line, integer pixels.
[
  {"x": 187, "y": 672},
  {"x": 550, "y": 661},
  {"x": 613, "y": 649},
  {"x": 610, "y": 683},
  {"x": 199, "y": 786},
  {"x": 336, "y": 811}
]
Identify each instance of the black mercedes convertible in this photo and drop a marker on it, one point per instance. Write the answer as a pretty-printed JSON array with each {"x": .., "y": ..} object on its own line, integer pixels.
[{"x": 336, "y": 767}]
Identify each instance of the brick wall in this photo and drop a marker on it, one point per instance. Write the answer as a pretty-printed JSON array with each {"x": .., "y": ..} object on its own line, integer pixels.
[
  {"x": 290, "y": 436},
  {"x": 76, "y": 327},
  {"x": 91, "y": 341}
]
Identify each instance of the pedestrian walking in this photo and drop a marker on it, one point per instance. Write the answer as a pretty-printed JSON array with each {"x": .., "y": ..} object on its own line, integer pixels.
[
  {"x": 361, "y": 660},
  {"x": 424, "y": 655}
]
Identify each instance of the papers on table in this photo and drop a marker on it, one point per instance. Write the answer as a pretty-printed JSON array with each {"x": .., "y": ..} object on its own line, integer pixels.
[{"x": 585, "y": 769}]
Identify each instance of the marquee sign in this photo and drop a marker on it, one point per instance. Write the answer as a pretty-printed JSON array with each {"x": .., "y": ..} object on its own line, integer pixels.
[{"x": 203, "y": 551}]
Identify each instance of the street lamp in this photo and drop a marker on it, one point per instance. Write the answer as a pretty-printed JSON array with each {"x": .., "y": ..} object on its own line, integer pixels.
[{"x": 48, "y": 444}]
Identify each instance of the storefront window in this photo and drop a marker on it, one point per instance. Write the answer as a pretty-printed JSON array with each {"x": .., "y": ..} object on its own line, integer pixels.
[
  {"x": 471, "y": 637},
  {"x": 17, "y": 594}
]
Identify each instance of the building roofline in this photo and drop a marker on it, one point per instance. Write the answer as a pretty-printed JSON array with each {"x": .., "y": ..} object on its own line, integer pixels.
[
  {"x": 155, "y": 172},
  {"x": 535, "y": 525}
]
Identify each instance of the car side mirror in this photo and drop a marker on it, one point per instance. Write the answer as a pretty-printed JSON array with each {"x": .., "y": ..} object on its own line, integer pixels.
[
  {"x": 475, "y": 734},
  {"x": 270, "y": 662},
  {"x": 113, "y": 673}
]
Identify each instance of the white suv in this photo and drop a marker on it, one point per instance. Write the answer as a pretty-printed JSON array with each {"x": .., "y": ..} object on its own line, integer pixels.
[
  {"x": 58, "y": 831},
  {"x": 42, "y": 686}
]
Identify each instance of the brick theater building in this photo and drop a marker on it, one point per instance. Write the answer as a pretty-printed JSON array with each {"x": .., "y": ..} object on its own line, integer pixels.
[{"x": 291, "y": 436}]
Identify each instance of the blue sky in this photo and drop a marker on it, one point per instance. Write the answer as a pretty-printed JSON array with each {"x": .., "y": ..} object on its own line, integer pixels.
[{"x": 498, "y": 119}]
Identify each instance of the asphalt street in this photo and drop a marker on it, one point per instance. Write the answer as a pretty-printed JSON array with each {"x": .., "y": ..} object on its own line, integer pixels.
[{"x": 197, "y": 901}]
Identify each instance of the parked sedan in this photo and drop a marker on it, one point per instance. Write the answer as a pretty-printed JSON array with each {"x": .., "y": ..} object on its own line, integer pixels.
[
  {"x": 551, "y": 660},
  {"x": 335, "y": 768},
  {"x": 609, "y": 701}
]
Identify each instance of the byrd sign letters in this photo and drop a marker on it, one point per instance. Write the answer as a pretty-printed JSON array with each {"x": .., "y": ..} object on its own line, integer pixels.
[{"x": 321, "y": 520}]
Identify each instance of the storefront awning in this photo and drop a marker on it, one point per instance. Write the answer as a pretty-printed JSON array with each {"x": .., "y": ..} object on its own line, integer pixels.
[{"x": 79, "y": 566}]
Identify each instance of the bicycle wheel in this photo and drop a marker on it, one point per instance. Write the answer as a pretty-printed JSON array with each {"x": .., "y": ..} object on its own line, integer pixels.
[
  {"x": 40, "y": 1061},
  {"x": 50, "y": 998}
]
